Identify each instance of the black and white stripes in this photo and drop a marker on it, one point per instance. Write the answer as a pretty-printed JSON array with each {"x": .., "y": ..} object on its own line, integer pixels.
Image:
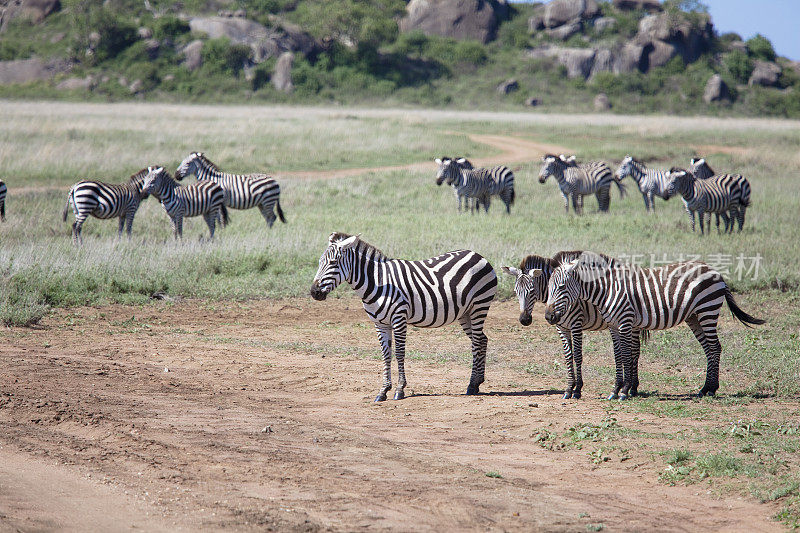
[
  {"x": 651, "y": 182},
  {"x": 578, "y": 180},
  {"x": 3, "y": 192},
  {"x": 705, "y": 196},
  {"x": 737, "y": 184},
  {"x": 479, "y": 184},
  {"x": 631, "y": 298},
  {"x": 204, "y": 198},
  {"x": 242, "y": 191},
  {"x": 456, "y": 286}
]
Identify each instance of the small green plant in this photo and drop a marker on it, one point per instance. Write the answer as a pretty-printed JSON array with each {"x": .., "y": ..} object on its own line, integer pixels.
[
  {"x": 594, "y": 527},
  {"x": 494, "y": 474}
]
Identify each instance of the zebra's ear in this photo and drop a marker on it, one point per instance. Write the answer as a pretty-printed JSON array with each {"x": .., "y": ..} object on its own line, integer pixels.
[
  {"x": 349, "y": 242},
  {"x": 438, "y": 161},
  {"x": 461, "y": 160},
  {"x": 535, "y": 272},
  {"x": 511, "y": 271}
]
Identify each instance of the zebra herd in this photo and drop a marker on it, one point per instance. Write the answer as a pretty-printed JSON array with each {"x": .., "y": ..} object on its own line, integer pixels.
[
  {"x": 727, "y": 196},
  {"x": 210, "y": 197},
  {"x": 582, "y": 291}
]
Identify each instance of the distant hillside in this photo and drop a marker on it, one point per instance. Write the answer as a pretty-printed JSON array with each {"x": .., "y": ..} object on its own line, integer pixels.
[{"x": 581, "y": 55}]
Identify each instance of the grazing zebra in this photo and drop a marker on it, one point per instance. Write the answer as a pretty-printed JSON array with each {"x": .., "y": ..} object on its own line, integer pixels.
[
  {"x": 479, "y": 184},
  {"x": 201, "y": 198},
  {"x": 530, "y": 287},
  {"x": 242, "y": 191},
  {"x": 458, "y": 285},
  {"x": 631, "y": 298},
  {"x": 3, "y": 191},
  {"x": 737, "y": 183},
  {"x": 710, "y": 195},
  {"x": 577, "y": 180},
  {"x": 103, "y": 200},
  {"x": 651, "y": 182}
]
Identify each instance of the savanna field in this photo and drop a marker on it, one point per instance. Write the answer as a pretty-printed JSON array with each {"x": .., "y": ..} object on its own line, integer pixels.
[{"x": 238, "y": 402}]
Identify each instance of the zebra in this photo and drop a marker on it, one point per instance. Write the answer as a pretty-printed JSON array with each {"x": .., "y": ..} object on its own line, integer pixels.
[
  {"x": 456, "y": 286},
  {"x": 480, "y": 183},
  {"x": 462, "y": 162},
  {"x": 242, "y": 191},
  {"x": 630, "y": 298},
  {"x": 710, "y": 195},
  {"x": 103, "y": 200},
  {"x": 736, "y": 182},
  {"x": 530, "y": 286},
  {"x": 201, "y": 198},
  {"x": 577, "y": 180},
  {"x": 651, "y": 182},
  {"x": 3, "y": 192}
]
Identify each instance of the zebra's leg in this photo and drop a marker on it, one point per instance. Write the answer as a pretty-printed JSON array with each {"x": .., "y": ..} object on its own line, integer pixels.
[
  {"x": 566, "y": 341},
  {"x": 121, "y": 226},
  {"x": 177, "y": 226},
  {"x": 576, "y": 203},
  {"x": 268, "y": 213},
  {"x": 705, "y": 330},
  {"x": 210, "y": 219},
  {"x": 577, "y": 356},
  {"x": 399, "y": 328},
  {"x": 620, "y": 373},
  {"x": 473, "y": 327},
  {"x": 625, "y": 341},
  {"x": 652, "y": 198},
  {"x": 566, "y": 202},
  {"x": 740, "y": 216},
  {"x": 635, "y": 351},
  {"x": 129, "y": 224},
  {"x": 646, "y": 203},
  {"x": 701, "y": 218},
  {"x": 77, "y": 226},
  {"x": 727, "y": 220},
  {"x": 385, "y": 338},
  {"x": 691, "y": 216}
]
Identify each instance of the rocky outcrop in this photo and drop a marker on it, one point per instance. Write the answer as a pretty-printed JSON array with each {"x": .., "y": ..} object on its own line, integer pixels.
[
  {"x": 602, "y": 24},
  {"x": 560, "y": 12},
  {"x": 765, "y": 73},
  {"x": 601, "y": 102},
  {"x": 193, "y": 55},
  {"x": 282, "y": 76},
  {"x": 689, "y": 39},
  {"x": 653, "y": 6},
  {"x": 74, "y": 84},
  {"x": 587, "y": 62},
  {"x": 459, "y": 19},
  {"x": 566, "y": 31},
  {"x": 33, "y": 10},
  {"x": 716, "y": 90},
  {"x": 508, "y": 86},
  {"x": 28, "y": 70}
]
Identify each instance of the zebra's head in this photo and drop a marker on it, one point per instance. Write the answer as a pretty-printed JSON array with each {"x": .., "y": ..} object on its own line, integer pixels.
[
  {"x": 335, "y": 265},
  {"x": 190, "y": 165},
  {"x": 563, "y": 290},
  {"x": 570, "y": 161},
  {"x": 700, "y": 168},
  {"x": 449, "y": 170},
  {"x": 528, "y": 288},
  {"x": 679, "y": 181},
  {"x": 550, "y": 167},
  {"x": 153, "y": 181},
  {"x": 625, "y": 168}
]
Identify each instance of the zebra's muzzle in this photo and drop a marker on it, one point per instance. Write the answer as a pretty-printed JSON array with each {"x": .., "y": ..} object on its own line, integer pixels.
[
  {"x": 525, "y": 319},
  {"x": 551, "y": 315},
  {"x": 317, "y": 293},
  {"x": 542, "y": 179}
]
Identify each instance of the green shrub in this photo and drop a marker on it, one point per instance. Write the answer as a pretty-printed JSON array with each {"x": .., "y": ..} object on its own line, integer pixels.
[
  {"x": 759, "y": 47},
  {"x": 739, "y": 65},
  {"x": 222, "y": 57},
  {"x": 14, "y": 50},
  {"x": 116, "y": 33},
  {"x": 169, "y": 26}
]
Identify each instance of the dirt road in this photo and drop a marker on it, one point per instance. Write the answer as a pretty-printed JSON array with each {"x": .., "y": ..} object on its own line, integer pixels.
[{"x": 258, "y": 415}]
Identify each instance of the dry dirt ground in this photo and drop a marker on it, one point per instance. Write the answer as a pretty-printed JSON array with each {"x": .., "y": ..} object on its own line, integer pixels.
[{"x": 258, "y": 415}]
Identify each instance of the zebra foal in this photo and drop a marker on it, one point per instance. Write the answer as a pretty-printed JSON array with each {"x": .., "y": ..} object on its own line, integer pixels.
[
  {"x": 242, "y": 191},
  {"x": 651, "y": 182},
  {"x": 578, "y": 180},
  {"x": 3, "y": 192},
  {"x": 456, "y": 286},
  {"x": 204, "y": 198},
  {"x": 631, "y": 298},
  {"x": 104, "y": 201}
]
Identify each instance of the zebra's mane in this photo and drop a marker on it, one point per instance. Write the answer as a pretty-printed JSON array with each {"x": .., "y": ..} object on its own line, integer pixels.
[
  {"x": 708, "y": 167},
  {"x": 362, "y": 246},
  {"x": 207, "y": 162},
  {"x": 536, "y": 261},
  {"x": 138, "y": 176}
]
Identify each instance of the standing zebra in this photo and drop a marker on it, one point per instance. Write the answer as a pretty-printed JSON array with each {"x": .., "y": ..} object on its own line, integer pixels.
[
  {"x": 530, "y": 287},
  {"x": 631, "y": 298},
  {"x": 201, "y": 198},
  {"x": 480, "y": 183},
  {"x": 710, "y": 195},
  {"x": 103, "y": 200},
  {"x": 457, "y": 188},
  {"x": 3, "y": 191},
  {"x": 242, "y": 191},
  {"x": 738, "y": 184},
  {"x": 577, "y": 180},
  {"x": 651, "y": 182},
  {"x": 458, "y": 285}
]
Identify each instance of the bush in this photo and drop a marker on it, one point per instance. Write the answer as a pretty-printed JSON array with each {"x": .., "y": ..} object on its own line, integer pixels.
[
  {"x": 116, "y": 34},
  {"x": 169, "y": 26},
  {"x": 222, "y": 57},
  {"x": 759, "y": 47},
  {"x": 739, "y": 65}
]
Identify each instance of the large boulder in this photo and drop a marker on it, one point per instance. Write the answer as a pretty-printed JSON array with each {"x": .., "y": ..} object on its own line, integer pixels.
[
  {"x": 653, "y": 6},
  {"x": 459, "y": 19},
  {"x": 74, "y": 84},
  {"x": 660, "y": 54},
  {"x": 690, "y": 38},
  {"x": 765, "y": 73},
  {"x": 603, "y": 61},
  {"x": 193, "y": 55},
  {"x": 716, "y": 90},
  {"x": 567, "y": 30},
  {"x": 282, "y": 76},
  {"x": 602, "y": 24},
  {"x": 508, "y": 86},
  {"x": 559, "y": 12},
  {"x": 601, "y": 102},
  {"x": 28, "y": 70},
  {"x": 629, "y": 58},
  {"x": 33, "y": 10}
]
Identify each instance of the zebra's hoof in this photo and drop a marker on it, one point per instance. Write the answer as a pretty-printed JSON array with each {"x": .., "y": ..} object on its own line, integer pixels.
[
  {"x": 380, "y": 397},
  {"x": 567, "y": 395},
  {"x": 399, "y": 395},
  {"x": 623, "y": 396},
  {"x": 613, "y": 396},
  {"x": 576, "y": 395},
  {"x": 472, "y": 390},
  {"x": 634, "y": 392}
]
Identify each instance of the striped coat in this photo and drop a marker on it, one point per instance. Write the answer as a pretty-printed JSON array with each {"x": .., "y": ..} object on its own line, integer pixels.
[
  {"x": 204, "y": 198},
  {"x": 631, "y": 298},
  {"x": 453, "y": 287},
  {"x": 651, "y": 182},
  {"x": 578, "y": 180},
  {"x": 738, "y": 184},
  {"x": 104, "y": 201},
  {"x": 3, "y": 192},
  {"x": 480, "y": 183},
  {"x": 242, "y": 191},
  {"x": 711, "y": 195},
  {"x": 530, "y": 286}
]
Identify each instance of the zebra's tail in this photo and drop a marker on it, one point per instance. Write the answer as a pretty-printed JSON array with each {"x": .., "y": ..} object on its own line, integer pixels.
[
  {"x": 66, "y": 207},
  {"x": 621, "y": 186},
  {"x": 224, "y": 212},
  {"x": 280, "y": 211},
  {"x": 743, "y": 317},
  {"x": 511, "y": 197},
  {"x": 644, "y": 335}
]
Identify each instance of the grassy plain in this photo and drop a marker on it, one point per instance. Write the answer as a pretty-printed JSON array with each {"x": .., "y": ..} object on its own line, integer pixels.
[{"x": 45, "y": 147}]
